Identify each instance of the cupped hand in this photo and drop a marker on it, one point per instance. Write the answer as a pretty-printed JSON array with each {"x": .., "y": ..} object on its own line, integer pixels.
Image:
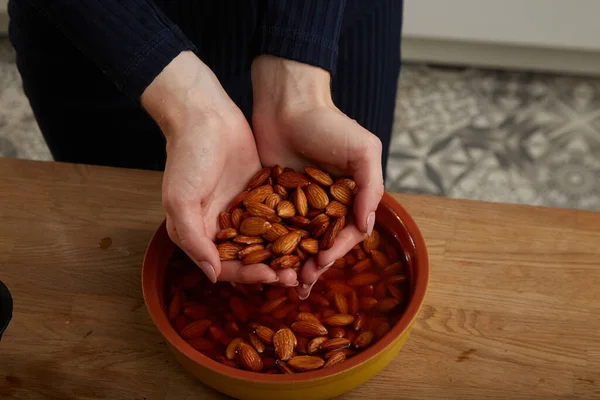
[
  {"x": 211, "y": 156},
  {"x": 296, "y": 124}
]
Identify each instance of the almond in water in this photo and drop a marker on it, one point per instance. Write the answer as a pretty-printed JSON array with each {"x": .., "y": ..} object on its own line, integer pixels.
[{"x": 282, "y": 219}]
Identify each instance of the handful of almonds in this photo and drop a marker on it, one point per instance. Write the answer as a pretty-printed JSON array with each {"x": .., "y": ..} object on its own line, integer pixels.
[
  {"x": 281, "y": 218},
  {"x": 284, "y": 216}
]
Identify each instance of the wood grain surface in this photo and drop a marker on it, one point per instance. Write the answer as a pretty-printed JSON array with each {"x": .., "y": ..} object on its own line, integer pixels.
[{"x": 513, "y": 308}]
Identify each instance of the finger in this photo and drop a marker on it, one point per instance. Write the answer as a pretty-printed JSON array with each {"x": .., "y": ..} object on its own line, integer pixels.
[
  {"x": 235, "y": 271},
  {"x": 309, "y": 274},
  {"x": 369, "y": 182},
  {"x": 344, "y": 242},
  {"x": 287, "y": 277},
  {"x": 187, "y": 231}
]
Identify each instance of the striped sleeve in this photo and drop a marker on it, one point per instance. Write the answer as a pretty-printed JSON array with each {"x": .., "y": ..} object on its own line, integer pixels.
[
  {"x": 307, "y": 31},
  {"x": 131, "y": 41}
]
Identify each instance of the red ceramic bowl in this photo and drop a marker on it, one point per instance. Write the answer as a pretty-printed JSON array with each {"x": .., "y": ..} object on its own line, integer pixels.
[{"x": 391, "y": 219}]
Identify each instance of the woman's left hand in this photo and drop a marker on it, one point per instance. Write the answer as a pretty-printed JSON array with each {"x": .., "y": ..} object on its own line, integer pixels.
[{"x": 296, "y": 124}]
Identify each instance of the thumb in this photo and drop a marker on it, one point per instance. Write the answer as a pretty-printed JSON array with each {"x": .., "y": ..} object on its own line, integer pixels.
[
  {"x": 187, "y": 230},
  {"x": 369, "y": 184}
]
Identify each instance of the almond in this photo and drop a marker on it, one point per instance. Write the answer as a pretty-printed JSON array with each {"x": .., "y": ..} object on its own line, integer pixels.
[
  {"x": 320, "y": 177},
  {"x": 309, "y": 245},
  {"x": 380, "y": 290},
  {"x": 269, "y": 306},
  {"x": 359, "y": 322},
  {"x": 258, "y": 194},
  {"x": 318, "y": 226},
  {"x": 265, "y": 334},
  {"x": 258, "y": 345},
  {"x": 236, "y": 218},
  {"x": 315, "y": 344},
  {"x": 180, "y": 322},
  {"x": 362, "y": 265},
  {"x": 243, "y": 239},
  {"x": 396, "y": 293},
  {"x": 256, "y": 257},
  {"x": 328, "y": 239},
  {"x": 341, "y": 303},
  {"x": 300, "y": 201},
  {"x": 387, "y": 304},
  {"x": 196, "y": 312},
  {"x": 339, "y": 320},
  {"x": 227, "y": 233},
  {"x": 341, "y": 193},
  {"x": 273, "y": 200},
  {"x": 300, "y": 253},
  {"x": 228, "y": 251},
  {"x": 364, "y": 278},
  {"x": 306, "y": 363},
  {"x": 336, "y": 358},
  {"x": 259, "y": 178},
  {"x": 335, "y": 209},
  {"x": 293, "y": 296},
  {"x": 195, "y": 329},
  {"x": 359, "y": 253},
  {"x": 250, "y": 249},
  {"x": 334, "y": 344},
  {"x": 276, "y": 170},
  {"x": 257, "y": 209},
  {"x": 318, "y": 299},
  {"x": 292, "y": 180},
  {"x": 286, "y": 209},
  {"x": 280, "y": 190},
  {"x": 299, "y": 221},
  {"x": 372, "y": 241},
  {"x": 309, "y": 329},
  {"x": 277, "y": 230},
  {"x": 380, "y": 259},
  {"x": 237, "y": 201},
  {"x": 339, "y": 287},
  {"x": 392, "y": 269},
  {"x": 302, "y": 346},
  {"x": 339, "y": 263},
  {"x": 284, "y": 342},
  {"x": 286, "y": 243},
  {"x": 363, "y": 339},
  {"x": 283, "y": 367},
  {"x": 219, "y": 335},
  {"x": 316, "y": 197},
  {"x": 248, "y": 357},
  {"x": 232, "y": 348},
  {"x": 397, "y": 279},
  {"x": 307, "y": 316},
  {"x": 367, "y": 303},
  {"x": 381, "y": 330},
  {"x": 175, "y": 305},
  {"x": 238, "y": 308},
  {"x": 349, "y": 183},
  {"x": 254, "y": 226},
  {"x": 225, "y": 220},
  {"x": 286, "y": 261},
  {"x": 201, "y": 344},
  {"x": 337, "y": 332}
]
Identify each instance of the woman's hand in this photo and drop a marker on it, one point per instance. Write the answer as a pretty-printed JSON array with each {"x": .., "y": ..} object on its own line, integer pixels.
[
  {"x": 211, "y": 156},
  {"x": 296, "y": 123}
]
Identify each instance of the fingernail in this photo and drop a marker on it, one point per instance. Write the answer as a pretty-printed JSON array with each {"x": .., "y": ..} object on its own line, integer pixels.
[
  {"x": 271, "y": 280},
  {"x": 370, "y": 223},
  {"x": 293, "y": 284},
  {"x": 208, "y": 270},
  {"x": 327, "y": 266}
]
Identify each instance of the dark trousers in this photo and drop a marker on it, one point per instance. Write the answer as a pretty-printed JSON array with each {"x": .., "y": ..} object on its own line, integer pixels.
[{"x": 85, "y": 119}]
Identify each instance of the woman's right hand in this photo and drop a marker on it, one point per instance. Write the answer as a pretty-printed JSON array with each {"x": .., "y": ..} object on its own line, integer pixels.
[{"x": 211, "y": 156}]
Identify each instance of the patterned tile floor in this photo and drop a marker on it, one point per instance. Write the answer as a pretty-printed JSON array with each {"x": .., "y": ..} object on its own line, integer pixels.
[{"x": 466, "y": 133}]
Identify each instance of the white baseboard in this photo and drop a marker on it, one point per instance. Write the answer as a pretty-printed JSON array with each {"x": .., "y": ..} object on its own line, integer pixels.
[{"x": 501, "y": 56}]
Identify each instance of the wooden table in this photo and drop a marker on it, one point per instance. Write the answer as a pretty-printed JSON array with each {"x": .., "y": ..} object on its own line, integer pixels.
[{"x": 513, "y": 309}]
